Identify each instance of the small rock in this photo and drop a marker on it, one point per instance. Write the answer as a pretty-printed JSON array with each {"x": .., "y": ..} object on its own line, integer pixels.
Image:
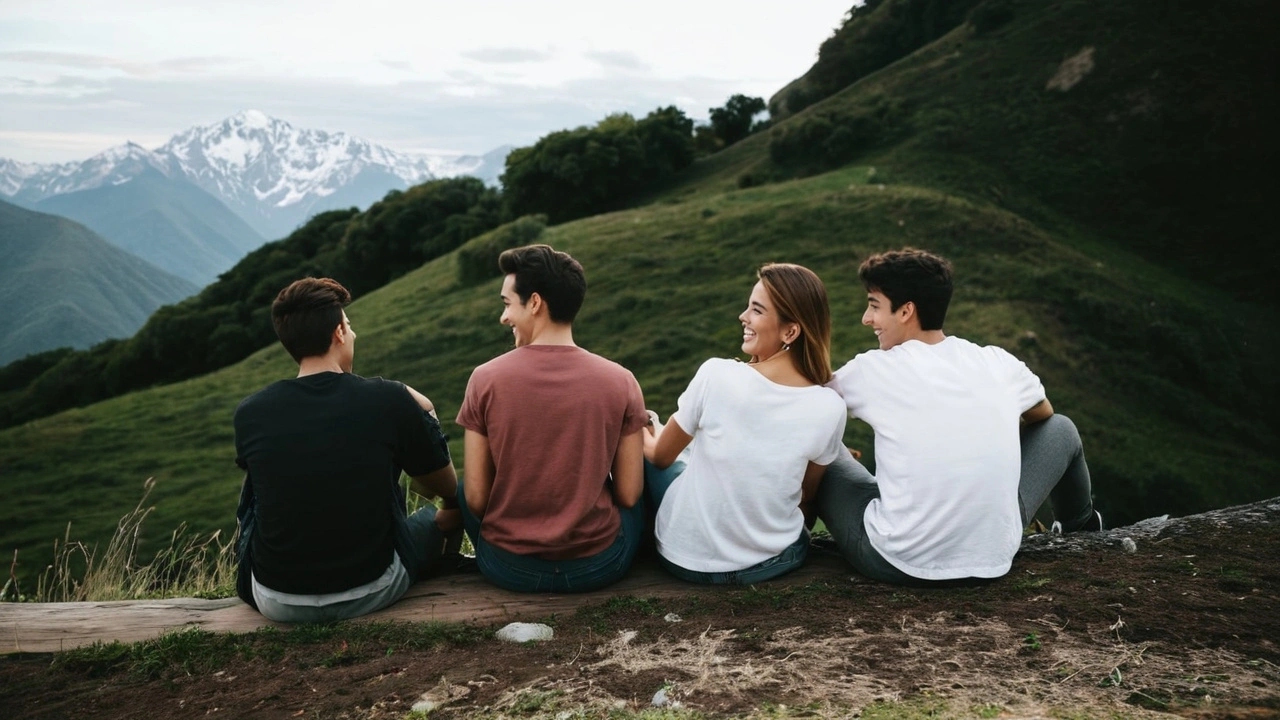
[
  {"x": 672, "y": 618},
  {"x": 663, "y": 698},
  {"x": 442, "y": 694},
  {"x": 525, "y": 632},
  {"x": 1129, "y": 545}
]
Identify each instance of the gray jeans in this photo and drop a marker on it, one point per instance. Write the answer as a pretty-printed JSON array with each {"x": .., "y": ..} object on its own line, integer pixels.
[{"x": 1053, "y": 467}]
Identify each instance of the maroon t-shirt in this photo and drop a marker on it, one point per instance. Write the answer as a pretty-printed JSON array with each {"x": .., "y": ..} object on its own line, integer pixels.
[{"x": 554, "y": 415}]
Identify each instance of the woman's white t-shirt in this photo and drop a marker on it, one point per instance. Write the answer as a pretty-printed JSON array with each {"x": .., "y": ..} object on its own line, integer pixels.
[{"x": 737, "y": 503}]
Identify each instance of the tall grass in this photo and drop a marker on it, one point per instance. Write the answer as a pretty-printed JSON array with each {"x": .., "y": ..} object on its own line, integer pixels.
[{"x": 191, "y": 565}]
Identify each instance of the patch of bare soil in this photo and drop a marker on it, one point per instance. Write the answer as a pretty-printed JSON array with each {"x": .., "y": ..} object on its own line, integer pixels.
[{"x": 1185, "y": 621}]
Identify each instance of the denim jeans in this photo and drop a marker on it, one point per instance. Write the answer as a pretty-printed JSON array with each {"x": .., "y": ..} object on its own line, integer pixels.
[
  {"x": 418, "y": 543},
  {"x": 528, "y": 573},
  {"x": 656, "y": 484},
  {"x": 1053, "y": 466}
]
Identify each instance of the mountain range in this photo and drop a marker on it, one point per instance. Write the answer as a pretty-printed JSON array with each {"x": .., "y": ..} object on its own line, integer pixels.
[
  {"x": 192, "y": 208},
  {"x": 63, "y": 285},
  {"x": 268, "y": 172}
]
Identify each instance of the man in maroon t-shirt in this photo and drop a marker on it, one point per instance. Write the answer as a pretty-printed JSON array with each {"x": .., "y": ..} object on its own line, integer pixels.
[{"x": 554, "y": 469}]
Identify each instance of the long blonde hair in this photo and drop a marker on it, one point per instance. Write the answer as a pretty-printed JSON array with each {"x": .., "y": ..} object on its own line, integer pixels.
[{"x": 800, "y": 297}]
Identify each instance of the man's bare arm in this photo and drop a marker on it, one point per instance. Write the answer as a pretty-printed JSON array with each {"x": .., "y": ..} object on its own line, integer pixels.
[
  {"x": 628, "y": 470},
  {"x": 478, "y": 479},
  {"x": 442, "y": 483},
  {"x": 422, "y": 401},
  {"x": 1039, "y": 412}
]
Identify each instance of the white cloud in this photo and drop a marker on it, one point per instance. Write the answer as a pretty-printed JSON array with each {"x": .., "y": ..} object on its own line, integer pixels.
[{"x": 466, "y": 76}]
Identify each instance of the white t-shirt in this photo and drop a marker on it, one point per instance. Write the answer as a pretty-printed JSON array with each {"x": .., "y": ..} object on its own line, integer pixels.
[
  {"x": 737, "y": 503},
  {"x": 947, "y": 453}
]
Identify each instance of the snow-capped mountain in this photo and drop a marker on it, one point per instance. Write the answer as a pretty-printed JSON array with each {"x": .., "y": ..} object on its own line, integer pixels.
[
  {"x": 270, "y": 173},
  {"x": 32, "y": 182}
]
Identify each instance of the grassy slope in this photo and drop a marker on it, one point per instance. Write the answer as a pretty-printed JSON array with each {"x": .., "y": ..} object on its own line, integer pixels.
[{"x": 1157, "y": 370}]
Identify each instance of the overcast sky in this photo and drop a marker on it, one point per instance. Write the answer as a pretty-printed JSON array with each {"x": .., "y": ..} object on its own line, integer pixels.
[{"x": 79, "y": 76}]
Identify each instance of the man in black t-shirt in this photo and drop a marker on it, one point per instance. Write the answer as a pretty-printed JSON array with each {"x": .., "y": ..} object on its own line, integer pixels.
[{"x": 323, "y": 529}]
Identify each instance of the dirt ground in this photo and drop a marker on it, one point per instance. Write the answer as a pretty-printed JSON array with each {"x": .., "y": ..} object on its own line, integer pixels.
[{"x": 1187, "y": 623}]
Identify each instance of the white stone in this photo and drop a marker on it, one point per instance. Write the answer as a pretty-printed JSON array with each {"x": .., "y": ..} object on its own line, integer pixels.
[
  {"x": 672, "y": 618},
  {"x": 663, "y": 698},
  {"x": 1129, "y": 545},
  {"x": 525, "y": 632}
]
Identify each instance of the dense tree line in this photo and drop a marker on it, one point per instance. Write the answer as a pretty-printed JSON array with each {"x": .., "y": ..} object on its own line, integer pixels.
[
  {"x": 231, "y": 318},
  {"x": 575, "y": 173}
]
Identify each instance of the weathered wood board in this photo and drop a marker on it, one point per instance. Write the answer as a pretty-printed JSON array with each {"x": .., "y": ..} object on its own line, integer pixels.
[{"x": 50, "y": 627}]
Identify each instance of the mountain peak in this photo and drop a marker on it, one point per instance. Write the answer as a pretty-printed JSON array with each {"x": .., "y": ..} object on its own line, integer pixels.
[{"x": 253, "y": 119}]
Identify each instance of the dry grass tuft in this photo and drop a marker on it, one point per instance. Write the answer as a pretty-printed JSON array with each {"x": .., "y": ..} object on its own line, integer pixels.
[{"x": 191, "y": 566}]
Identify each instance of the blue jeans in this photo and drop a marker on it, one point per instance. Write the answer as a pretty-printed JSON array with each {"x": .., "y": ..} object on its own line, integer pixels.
[
  {"x": 528, "y": 573},
  {"x": 1053, "y": 467},
  {"x": 656, "y": 484}
]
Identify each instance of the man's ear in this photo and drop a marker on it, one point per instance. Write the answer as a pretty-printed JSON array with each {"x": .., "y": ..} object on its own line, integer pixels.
[
  {"x": 338, "y": 336},
  {"x": 907, "y": 311},
  {"x": 535, "y": 303}
]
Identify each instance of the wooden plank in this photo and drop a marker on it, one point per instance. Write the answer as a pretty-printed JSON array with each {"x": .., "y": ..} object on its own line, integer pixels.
[{"x": 50, "y": 627}]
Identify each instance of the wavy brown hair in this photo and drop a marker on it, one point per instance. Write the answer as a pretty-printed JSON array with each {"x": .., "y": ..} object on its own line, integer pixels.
[{"x": 800, "y": 297}]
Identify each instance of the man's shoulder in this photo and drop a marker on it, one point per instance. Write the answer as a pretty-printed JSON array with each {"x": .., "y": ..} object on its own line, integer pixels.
[
  {"x": 261, "y": 398},
  {"x": 605, "y": 365}
]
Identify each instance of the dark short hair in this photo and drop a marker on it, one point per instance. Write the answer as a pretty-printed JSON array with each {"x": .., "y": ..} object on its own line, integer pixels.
[
  {"x": 555, "y": 276},
  {"x": 306, "y": 313},
  {"x": 911, "y": 276}
]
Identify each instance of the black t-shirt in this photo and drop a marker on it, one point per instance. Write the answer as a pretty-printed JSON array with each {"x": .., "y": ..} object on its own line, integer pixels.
[{"x": 324, "y": 454}]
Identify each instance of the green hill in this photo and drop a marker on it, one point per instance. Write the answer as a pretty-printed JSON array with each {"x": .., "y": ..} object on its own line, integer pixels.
[
  {"x": 62, "y": 285},
  {"x": 961, "y": 147}
]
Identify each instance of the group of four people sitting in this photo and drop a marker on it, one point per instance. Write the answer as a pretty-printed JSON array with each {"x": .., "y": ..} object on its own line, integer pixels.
[{"x": 565, "y": 469}]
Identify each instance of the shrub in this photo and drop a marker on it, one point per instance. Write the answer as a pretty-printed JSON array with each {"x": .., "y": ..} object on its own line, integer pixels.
[{"x": 478, "y": 261}]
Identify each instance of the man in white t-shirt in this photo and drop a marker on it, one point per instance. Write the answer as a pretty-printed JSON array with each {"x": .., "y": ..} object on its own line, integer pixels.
[{"x": 967, "y": 446}]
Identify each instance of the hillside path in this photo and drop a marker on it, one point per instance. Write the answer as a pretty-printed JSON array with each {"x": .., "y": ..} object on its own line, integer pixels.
[{"x": 51, "y": 627}]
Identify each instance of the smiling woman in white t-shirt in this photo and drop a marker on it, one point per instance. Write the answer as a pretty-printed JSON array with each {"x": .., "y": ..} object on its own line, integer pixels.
[{"x": 734, "y": 470}]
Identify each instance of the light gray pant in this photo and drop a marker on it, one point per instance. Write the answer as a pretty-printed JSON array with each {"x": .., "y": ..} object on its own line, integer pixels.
[{"x": 1053, "y": 467}]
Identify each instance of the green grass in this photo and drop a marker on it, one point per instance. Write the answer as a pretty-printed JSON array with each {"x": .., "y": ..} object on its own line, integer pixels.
[
  {"x": 1166, "y": 375},
  {"x": 194, "y": 650}
]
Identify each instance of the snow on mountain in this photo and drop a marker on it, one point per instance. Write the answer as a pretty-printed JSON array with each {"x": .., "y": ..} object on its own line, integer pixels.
[
  {"x": 32, "y": 182},
  {"x": 256, "y": 159},
  {"x": 272, "y": 174}
]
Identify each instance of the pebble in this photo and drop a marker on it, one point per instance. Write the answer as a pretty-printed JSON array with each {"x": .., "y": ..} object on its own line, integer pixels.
[
  {"x": 1129, "y": 545},
  {"x": 525, "y": 632},
  {"x": 672, "y": 618},
  {"x": 663, "y": 698}
]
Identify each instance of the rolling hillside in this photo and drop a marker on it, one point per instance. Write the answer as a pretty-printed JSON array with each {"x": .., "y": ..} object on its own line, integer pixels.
[
  {"x": 62, "y": 285},
  {"x": 169, "y": 223},
  {"x": 965, "y": 147}
]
